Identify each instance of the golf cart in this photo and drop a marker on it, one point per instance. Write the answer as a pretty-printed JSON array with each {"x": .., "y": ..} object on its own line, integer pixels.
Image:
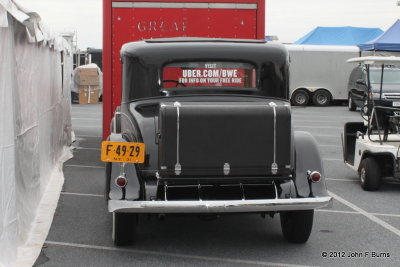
[{"x": 372, "y": 147}]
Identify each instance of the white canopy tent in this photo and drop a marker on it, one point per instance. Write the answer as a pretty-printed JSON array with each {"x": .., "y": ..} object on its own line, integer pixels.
[{"x": 35, "y": 131}]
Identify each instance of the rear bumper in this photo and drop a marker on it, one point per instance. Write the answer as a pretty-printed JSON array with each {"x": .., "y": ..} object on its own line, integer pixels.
[{"x": 223, "y": 206}]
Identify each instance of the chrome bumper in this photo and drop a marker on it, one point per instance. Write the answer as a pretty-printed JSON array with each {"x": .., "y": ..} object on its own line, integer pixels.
[{"x": 218, "y": 206}]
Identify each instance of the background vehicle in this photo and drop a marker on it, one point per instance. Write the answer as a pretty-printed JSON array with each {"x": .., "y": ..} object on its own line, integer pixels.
[
  {"x": 319, "y": 73},
  {"x": 372, "y": 147},
  {"x": 358, "y": 89},
  {"x": 206, "y": 128},
  {"x": 126, "y": 21}
]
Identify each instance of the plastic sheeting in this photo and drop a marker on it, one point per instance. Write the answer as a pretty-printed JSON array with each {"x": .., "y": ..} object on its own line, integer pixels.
[
  {"x": 35, "y": 132},
  {"x": 339, "y": 36},
  {"x": 74, "y": 81},
  {"x": 387, "y": 41}
]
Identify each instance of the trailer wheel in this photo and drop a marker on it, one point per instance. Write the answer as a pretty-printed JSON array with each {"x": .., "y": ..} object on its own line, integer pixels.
[
  {"x": 300, "y": 98},
  {"x": 124, "y": 228},
  {"x": 370, "y": 174},
  {"x": 351, "y": 105},
  {"x": 297, "y": 225},
  {"x": 322, "y": 98}
]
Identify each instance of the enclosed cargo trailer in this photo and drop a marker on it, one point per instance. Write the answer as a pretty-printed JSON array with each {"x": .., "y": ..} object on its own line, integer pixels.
[
  {"x": 127, "y": 21},
  {"x": 319, "y": 73}
]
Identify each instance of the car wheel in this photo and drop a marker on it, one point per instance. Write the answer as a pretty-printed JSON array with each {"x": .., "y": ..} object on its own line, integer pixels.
[
  {"x": 351, "y": 105},
  {"x": 297, "y": 225},
  {"x": 370, "y": 174},
  {"x": 366, "y": 109},
  {"x": 124, "y": 228},
  {"x": 321, "y": 98},
  {"x": 300, "y": 98}
]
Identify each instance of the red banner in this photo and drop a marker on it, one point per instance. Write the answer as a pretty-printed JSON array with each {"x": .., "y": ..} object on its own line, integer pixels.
[{"x": 208, "y": 77}]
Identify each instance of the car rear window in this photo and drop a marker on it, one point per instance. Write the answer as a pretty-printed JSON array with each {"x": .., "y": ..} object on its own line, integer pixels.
[{"x": 209, "y": 74}]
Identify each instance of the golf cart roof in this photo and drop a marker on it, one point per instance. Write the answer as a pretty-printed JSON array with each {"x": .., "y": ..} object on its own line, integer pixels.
[{"x": 370, "y": 60}]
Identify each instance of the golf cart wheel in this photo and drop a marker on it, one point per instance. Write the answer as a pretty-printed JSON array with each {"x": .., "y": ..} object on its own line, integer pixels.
[
  {"x": 322, "y": 98},
  {"x": 124, "y": 228},
  {"x": 366, "y": 109},
  {"x": 351, "y": 105},
  {"x": 370, "y": 174},
  {"x": 300, "y": 98},
  {"x": 297, "y": 225}
]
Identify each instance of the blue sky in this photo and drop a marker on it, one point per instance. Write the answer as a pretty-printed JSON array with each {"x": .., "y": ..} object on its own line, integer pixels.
[{"x": 288, "y": 19}]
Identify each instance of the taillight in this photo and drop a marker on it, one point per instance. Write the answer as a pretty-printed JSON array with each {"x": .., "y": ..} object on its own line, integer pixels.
[
  {"x": 315, "y": 177},
  {"x": 121, "y": 181}
]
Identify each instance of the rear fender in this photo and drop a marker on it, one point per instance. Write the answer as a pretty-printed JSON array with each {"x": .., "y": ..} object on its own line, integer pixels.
[
  {"x": 308, "y": 158},
  {"x": 114, "y": 169}
]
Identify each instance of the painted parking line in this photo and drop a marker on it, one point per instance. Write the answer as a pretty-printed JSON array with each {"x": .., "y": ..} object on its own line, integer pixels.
[
  {"x": 342, "y": 179},
  {"x": 84, "y": 166},
  {"x": 357, "y": 213},
  {"x": 86, "y": 148},
  {"x": 326, "y": 135},
  {"x": 175, "y": 255},
  {"x": 90, "y": 136},
  {"x": 357, "y": 180},
  {"x": 321, "y": 117},
  {"x": 317, "y": 127},
  {"x": 92, "y": 119},
  {"x": 370, "y": 216},
  {"x": 86, "y": 111},
  {"x": 338, "y": 211},
  {"x": 81, "y": 194},
  {"x": 332, "y": 159},
  {"x": 337, "y": 146},
  {"x": 319, "y": 121},
  {"x": 86, "y": 126}
]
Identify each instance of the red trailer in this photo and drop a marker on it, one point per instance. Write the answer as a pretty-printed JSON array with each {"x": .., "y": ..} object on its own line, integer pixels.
[{"x": 127, "y": 21}]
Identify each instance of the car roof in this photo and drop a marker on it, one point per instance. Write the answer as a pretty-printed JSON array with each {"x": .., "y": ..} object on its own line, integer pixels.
[
  {"x": 177, "y": 49},
  {"x": 202, "y": 40}
]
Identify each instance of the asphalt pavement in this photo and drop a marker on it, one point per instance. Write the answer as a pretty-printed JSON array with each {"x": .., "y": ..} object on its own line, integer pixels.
[{"x": 361, "y": 229}]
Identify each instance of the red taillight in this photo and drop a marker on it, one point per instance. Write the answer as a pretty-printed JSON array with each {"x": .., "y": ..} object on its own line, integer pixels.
[
  {"x": 315, "y": 177},
  {"x": 121, "y": 181}
]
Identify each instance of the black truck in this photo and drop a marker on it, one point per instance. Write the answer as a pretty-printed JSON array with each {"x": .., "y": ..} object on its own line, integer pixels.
[{"x": 205, "y": 126}]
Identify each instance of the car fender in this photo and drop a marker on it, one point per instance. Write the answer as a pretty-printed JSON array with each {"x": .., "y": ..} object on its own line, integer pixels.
[
  {"x": 382, "y": 158},
  {"x": 308, "y": 158},
  {"x": 113, "y": 170}
]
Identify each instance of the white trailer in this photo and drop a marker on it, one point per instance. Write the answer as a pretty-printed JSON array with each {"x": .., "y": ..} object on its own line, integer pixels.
[{"x": 319, "y": 73}]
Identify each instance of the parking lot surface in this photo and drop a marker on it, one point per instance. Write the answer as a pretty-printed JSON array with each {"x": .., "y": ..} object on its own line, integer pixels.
[{"x": 361, "y": 229}]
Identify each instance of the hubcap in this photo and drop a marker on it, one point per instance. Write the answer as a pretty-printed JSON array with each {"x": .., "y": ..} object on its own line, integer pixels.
[
  {"x": 362, "y": 175},
  {"x": 300, "y": 99},
  {"x": 321, "y": 99}
]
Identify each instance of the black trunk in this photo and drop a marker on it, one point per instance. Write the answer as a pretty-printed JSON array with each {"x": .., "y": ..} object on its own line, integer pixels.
[{"x": 201, "y": 139}]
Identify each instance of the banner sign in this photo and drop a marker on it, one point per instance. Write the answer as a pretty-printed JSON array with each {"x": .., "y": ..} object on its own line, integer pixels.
[{"x": 209, "y": 75}]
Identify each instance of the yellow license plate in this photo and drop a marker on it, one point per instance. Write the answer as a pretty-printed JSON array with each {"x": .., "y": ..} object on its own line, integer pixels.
[{"x": 122, "y": 152}]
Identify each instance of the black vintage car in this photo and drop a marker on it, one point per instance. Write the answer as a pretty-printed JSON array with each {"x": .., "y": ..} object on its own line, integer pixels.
[{"x": 205, "y": 126}]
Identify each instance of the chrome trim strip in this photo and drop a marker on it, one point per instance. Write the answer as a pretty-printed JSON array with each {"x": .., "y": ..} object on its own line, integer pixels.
[
  {"x": 220, "y": 206},
  {"x": 274, "y": 165},
  {"x": 183, "y": 5},
  {"x": 178, "y": 167}
]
